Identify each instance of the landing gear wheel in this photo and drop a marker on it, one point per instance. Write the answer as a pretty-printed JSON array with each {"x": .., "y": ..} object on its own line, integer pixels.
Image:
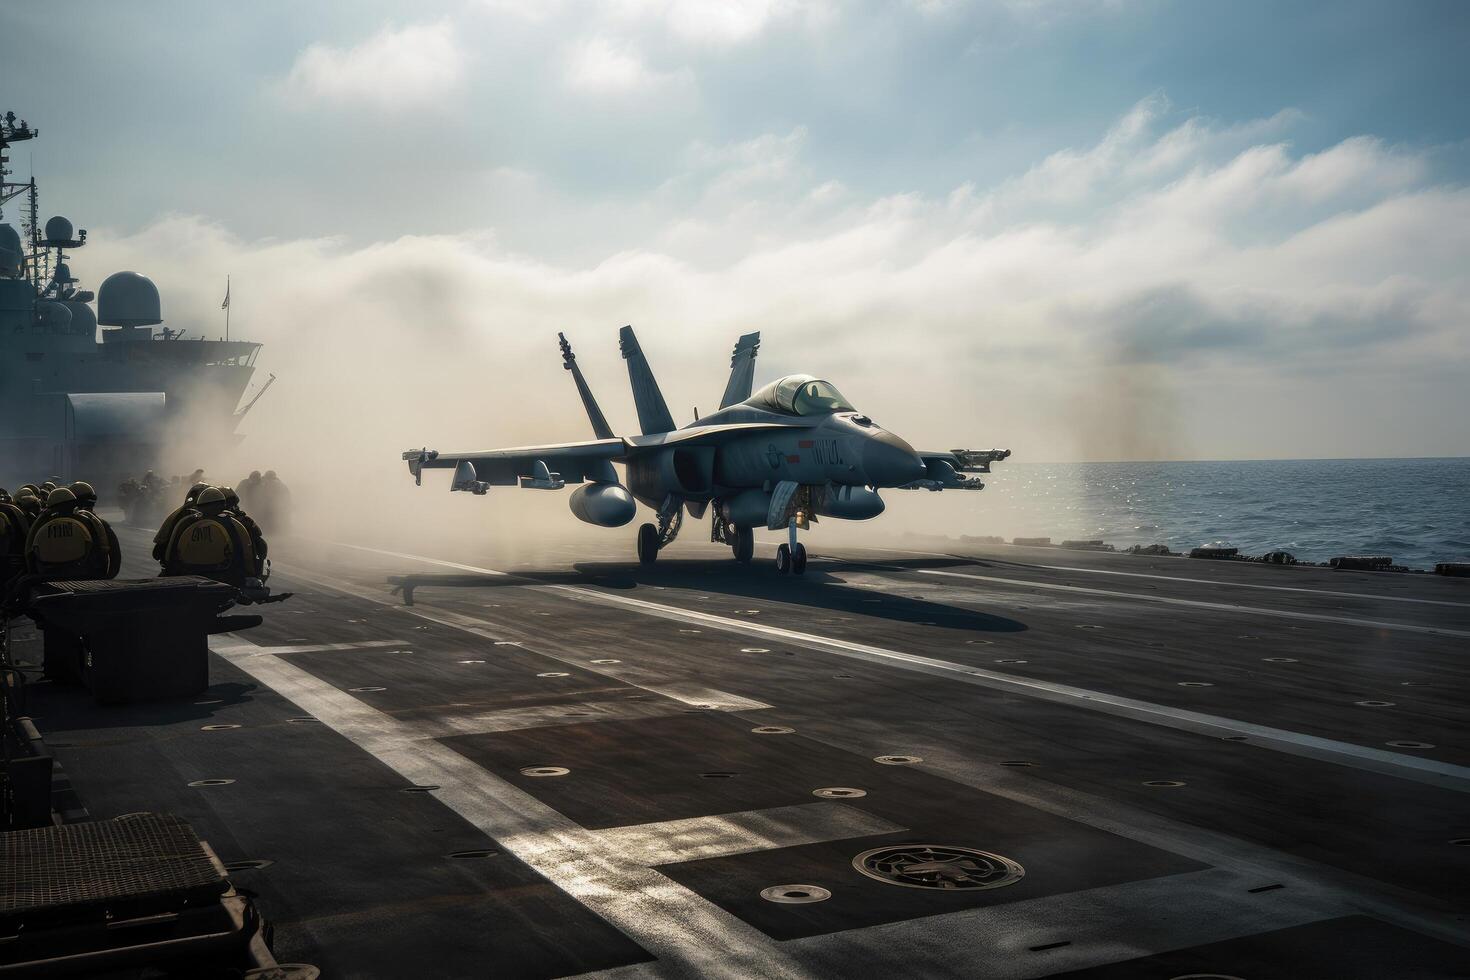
[
  {"x": 783, "y": 559},
  {"x": 798, "y": 559},
  {"x": 648, "y": 544},
  {"x": 744, "y": 545}
]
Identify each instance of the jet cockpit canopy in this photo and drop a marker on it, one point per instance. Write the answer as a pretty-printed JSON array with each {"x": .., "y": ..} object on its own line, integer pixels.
[{"x": 800, "y": 394}]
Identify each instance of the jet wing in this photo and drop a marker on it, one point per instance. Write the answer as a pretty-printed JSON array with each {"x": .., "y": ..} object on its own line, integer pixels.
[
  {"x": 549, "y": 467},
  {"x": 574, "y": 461}
]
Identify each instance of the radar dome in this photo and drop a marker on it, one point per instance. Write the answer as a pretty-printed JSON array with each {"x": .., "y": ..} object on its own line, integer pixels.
[
  {"x": 58, "y": 229},
  {"x": 128, "y": 299},
  {"x": 83, "y": 320},
  {"x": 55, "y": 317}
]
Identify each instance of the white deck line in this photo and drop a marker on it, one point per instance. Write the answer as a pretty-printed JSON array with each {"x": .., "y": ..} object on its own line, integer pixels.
[
  {"x": 1151, "y": 575},
  {"x": 282, "y": 651},
  {"x": 1373, "y": 596},
  {"x": 682, "y": 929},
  {"x": 1165, "y": 600},
  {"x": 685, "y": 692},
  {"x": 1428, "y": 771},
  {"x": 1198, "y": 603},
  {"x": 700, "y": 838}
]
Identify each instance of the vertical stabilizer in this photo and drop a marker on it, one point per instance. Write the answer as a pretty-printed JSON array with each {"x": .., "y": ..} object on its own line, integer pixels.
[
  {"x": 653, "y": 413},
  {"x": 600, "y": 428},
  {"x": 742, "y": 369}
]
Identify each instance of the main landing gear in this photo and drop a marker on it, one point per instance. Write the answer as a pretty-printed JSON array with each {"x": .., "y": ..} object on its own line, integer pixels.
[
  {"x": 744, "y": 545},
  {"x": 648, "y": 544},
  {"x": 740, "y": 539},
  {"x": 652, "y": 537},
  {"x": 791, "y": 557}
]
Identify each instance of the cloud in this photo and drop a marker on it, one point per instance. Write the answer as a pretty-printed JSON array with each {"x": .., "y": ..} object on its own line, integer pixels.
[
  {"x": 1177, "y": 262},
  {"x": 718, "y": 23},
  {"x": 747, "y": 165},
  {"x": 602, "y": 67},
  {"x": 394, "y": 69},
  {"x": 727, "y": 22}
]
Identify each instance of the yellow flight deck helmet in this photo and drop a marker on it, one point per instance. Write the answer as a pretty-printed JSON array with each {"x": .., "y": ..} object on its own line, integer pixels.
[
  {"x": 60, "y": 497},
  {"x": 84, "y": 492},
  {"x": 28, "y": 488},
  {"x": 208, "y": 496}
]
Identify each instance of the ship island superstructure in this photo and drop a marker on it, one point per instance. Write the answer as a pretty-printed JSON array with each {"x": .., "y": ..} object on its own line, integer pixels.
[{"x": 92, "y": 385}]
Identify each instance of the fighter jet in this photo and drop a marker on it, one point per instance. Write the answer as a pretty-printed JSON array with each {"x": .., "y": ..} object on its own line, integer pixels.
[{"x": 780, "y": 458}]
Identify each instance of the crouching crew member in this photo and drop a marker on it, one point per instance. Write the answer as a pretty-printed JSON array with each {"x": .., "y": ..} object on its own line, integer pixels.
[
  {"x": 28, "y": 499},
  {"x": 14, "y": 525},
  {"x": 87, "y": 500},
  {"x": 257, "y": 537},
  {"x": 209, "y": 540},
  {"x": 68, "y": 542},
  {"x": 166, "y": 528}
]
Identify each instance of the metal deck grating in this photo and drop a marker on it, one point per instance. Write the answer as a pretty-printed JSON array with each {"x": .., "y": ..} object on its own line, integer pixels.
[
  {"x": 79, "y": 864},
  {"x": 113, "y": 586}
]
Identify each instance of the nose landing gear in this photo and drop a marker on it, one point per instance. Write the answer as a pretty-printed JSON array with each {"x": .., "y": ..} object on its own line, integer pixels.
[{"x": 791, "y": 557}]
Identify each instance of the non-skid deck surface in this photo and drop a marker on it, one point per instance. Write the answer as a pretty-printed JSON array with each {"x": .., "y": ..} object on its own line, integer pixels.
[{"x": 584, "y": 765}]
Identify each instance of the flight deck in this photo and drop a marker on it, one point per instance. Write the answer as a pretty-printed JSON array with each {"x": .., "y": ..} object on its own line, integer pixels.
[{"x": 967, "y": 761}]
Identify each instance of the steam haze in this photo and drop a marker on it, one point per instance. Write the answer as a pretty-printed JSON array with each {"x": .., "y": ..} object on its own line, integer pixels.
[{"x": 1134, "y": 277}]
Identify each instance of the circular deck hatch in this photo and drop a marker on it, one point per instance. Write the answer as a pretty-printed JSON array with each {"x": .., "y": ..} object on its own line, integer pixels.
[{"x": 942, "y": 866}]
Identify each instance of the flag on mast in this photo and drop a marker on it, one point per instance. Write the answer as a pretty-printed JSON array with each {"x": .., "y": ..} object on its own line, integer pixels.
[{"x": 226, "y": 304}]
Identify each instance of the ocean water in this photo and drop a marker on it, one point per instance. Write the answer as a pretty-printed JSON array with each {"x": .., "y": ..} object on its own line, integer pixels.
[{"x": 1417, "y": 510}]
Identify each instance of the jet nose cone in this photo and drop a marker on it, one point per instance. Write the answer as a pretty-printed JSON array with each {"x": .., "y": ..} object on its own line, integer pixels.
[{"x": 888, "y": 461}]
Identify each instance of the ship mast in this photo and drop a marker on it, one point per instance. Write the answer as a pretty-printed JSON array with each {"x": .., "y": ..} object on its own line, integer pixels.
[
  {"x": 13, "y": 130},
  {"x": 40, "y": 263}
]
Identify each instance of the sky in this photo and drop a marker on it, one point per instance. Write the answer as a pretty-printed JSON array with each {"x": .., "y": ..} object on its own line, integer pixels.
[{"x": 1117, "y": 230}]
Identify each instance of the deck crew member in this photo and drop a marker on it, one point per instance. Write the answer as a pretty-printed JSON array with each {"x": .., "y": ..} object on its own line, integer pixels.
[
  {"x": 208, "y": 540},
  {"x": 28, "y": 500},
  {"x": 68, "y": 543},
  {"x": 257, "y": 537},
  {"x": 87, "y": 500},
  {"x": 14, "y": 524},
  {"x": 166, "y": 527}
]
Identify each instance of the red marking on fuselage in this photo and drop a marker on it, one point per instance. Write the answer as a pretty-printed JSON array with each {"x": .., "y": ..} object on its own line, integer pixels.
[{"x": 805, "y": 444}]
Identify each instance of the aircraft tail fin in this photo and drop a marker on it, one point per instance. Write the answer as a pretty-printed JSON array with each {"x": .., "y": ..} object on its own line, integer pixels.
[
  {"x": 742, "y": 369},
  {"x": 653, "y": 412},
  {"x": 600, "y": 428}
]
